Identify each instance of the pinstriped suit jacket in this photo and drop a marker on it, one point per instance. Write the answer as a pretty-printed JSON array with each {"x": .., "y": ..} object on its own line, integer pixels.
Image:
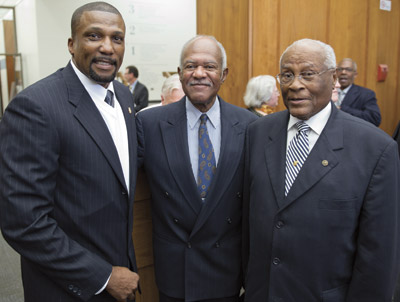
[
  {"x": 197, "y": 247},
  {"x": 63, "y": 199}
]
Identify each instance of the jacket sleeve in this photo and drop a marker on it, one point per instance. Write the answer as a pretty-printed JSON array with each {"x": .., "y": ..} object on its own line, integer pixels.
[
  {"x": 376, "y": 263},
  {"x": 142, "y": 99}
]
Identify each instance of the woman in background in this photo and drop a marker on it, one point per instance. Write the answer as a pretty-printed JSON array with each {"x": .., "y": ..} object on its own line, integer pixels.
[{"x": 261, "y": 95}]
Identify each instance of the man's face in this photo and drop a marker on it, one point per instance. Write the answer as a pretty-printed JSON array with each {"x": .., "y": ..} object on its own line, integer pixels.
[
  {"x": 306, "y": 98},
  {"x": 202, "y": 75},
  {"x": 346, "y": 73},
  {"x": 98, "y": 46}
]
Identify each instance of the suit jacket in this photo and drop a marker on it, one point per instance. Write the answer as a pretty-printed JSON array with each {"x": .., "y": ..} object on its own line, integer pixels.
[
  {"x": 334, "y": 237},
  {"x": 361, "y": 102},
  {"x": 140, "y": 97},
  {"x": 64, "y": 203},
  {"x": 396, "y": 135},
  {"x": 197, "y": 247}
]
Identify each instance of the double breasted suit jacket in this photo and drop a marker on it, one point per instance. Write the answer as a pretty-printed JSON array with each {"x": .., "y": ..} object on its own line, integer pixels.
[
  {"x": 335, "y": 236},
  {"x": 65, "y": 206},
  {"x": 140, "y": 97},
  {"x": 197, "y": 247},
  {"x": 361, "y": 102}
]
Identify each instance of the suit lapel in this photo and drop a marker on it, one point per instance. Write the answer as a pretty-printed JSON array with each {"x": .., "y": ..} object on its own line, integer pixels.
[
  {"x": 275, "y": 158},
  {"x": 90, "y": 118},
  {"x": 351, "y": 95},
  {"x": 174, "y": 134},
  {"x": 232, "y": 144},
  {"x": 321, "y": 160}
]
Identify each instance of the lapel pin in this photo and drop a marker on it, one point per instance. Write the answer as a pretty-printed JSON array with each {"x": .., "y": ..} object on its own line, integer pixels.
[
  {"x": 295, "y": 163},
  {"x": 129, "y": 110},
  {"x": 325, "y": 162}
]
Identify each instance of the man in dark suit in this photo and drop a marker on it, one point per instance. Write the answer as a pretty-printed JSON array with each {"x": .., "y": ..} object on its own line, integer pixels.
[
  {"x": 322, "y": 203},
  {"x": 138, "y": 90},
  {"x": 68, "y": 171},
  {"x": 356, "y": 100},
  {"x": 193, "y": 156}
]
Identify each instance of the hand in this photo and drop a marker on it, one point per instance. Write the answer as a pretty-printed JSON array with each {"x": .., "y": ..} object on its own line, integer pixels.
[{"x": 123, "y": 283}]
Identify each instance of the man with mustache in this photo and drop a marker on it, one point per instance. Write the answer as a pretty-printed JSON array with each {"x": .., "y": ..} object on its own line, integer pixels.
[
  {"x": 356, "y": 100},
  {"x": 321, "y": 194},
  {"x": 68, "y": 170},
  {"x": 192, "y": 152}
]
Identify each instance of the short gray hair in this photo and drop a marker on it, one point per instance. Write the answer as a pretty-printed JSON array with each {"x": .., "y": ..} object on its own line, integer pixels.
[
  {"x": 329, "y": 53},
  {"x": 171, "y": 83},
  {"x": 259, "y": 90},
  {"x": 352, "y": 62},
  {"x": 222, "y": 49}
]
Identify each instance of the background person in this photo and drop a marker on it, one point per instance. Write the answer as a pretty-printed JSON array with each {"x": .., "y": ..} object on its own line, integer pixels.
[
  {"x": 138, "y": 90},
  {"x": 171, "y": 90},
  {"x": 260, "y": 92},
  {"x": 356, "y": 100}
]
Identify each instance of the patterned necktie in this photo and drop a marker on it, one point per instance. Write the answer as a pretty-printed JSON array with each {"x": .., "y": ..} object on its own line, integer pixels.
[
  {"x": 109, "y": 98},
  {"x": 296, "y": 155},
  {"x": 207, "y": 165},
  {"x": 341, "y": 95}
]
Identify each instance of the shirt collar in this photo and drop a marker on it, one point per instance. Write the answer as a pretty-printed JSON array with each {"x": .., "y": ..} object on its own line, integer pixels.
[
  {"x": 346, "y": 89},
  {"x": 193, "y": 114},
  {"x": 96, "y": 91},
  {"x": 317, "y": 122}
]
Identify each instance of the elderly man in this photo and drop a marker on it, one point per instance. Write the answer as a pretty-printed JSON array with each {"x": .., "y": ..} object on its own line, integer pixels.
[
  {"x": 193, "y": 156},
  {"x": 68, "y": 171},
  {"x": 356, "y": 100},
  {"x": 321, "y": 194}
]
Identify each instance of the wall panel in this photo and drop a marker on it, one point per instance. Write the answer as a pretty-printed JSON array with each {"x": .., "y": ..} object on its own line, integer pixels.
[{"x": 357, "y": 29}]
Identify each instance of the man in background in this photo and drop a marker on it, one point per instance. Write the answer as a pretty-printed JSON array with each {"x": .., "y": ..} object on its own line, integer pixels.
[
  {"x": 356, "y": 100},
  {"x": 138, "y": 90},
  {"x": 192, "y": 152},
  {"x": 321, "y": 194},
  {"x": 68, "y": 171},
  {"x": 171, "y": 90}
]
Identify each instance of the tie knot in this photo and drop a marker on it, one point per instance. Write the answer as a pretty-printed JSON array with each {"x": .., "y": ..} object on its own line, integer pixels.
[
  {"x": 109, "y": 98},
  {"x": 203, "y": 119},
  {"x": 302, "y": 126}
]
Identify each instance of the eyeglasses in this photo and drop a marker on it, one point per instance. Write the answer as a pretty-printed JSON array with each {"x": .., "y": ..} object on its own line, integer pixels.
[
  {"x": 348, "y": 69},
  {"x": 285, "y": 78}
]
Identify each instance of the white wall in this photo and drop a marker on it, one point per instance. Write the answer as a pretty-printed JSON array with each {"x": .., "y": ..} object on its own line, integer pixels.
[{"x": 156, "y": 31}]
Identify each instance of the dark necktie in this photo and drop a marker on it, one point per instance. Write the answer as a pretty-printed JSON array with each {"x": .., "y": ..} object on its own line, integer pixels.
[
  {"x": 207, "y": 165},
  {"x": 296, "y": 155},
  {"x": 109, "y": 98}
]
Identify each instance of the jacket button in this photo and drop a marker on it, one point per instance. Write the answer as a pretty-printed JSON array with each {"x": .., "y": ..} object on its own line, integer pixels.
[
  {"x": 276, "y": 261},
  {"x": 189, "y": 245},
  {"x": 79, "y": 292},
  {"x": 238, "y": 194},
  {"x": 123, "y": 193},
  {"x": 70, "y": 287},
  {"x": 167, "y": 194},
  {"x": 176, "y": 220},
  {"x": 279, "y": 224},
  {"x": 217, "y": 244},
  {"x": 229, "y": 220}
]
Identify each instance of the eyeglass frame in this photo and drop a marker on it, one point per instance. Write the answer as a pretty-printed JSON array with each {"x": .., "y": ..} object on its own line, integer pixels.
[
  {"x": 301, "y": 77},
  {"x": 347, "y": 69}
]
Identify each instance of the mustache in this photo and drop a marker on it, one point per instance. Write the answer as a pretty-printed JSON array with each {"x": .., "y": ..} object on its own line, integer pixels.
[
  {"x": 194, "y": 83},
  {"x": 104, "y": 59}
]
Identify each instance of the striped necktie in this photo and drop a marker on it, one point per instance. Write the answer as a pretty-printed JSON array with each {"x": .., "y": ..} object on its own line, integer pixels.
[
  {"x": 109, "y": 98},
  {"x": 296, "y": 154},
  {"x": 207, "y": 164}
]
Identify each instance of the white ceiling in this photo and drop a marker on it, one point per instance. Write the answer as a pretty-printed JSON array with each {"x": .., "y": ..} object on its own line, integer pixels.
[{"x": 11, "y": 3}]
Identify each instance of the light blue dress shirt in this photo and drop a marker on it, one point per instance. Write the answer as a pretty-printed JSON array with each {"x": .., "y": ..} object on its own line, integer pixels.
[{"x": 213, "y": 127}]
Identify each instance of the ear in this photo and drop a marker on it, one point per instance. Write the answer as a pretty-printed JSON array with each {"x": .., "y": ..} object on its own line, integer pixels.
[
  {"x": 71, "y": 46},
  {"x": 180, "y": 73},
  {"x": 224, "y": 75}
]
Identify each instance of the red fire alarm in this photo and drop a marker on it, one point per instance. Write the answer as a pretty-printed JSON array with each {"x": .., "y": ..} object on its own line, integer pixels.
[{"x": 383, "y": 70}]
